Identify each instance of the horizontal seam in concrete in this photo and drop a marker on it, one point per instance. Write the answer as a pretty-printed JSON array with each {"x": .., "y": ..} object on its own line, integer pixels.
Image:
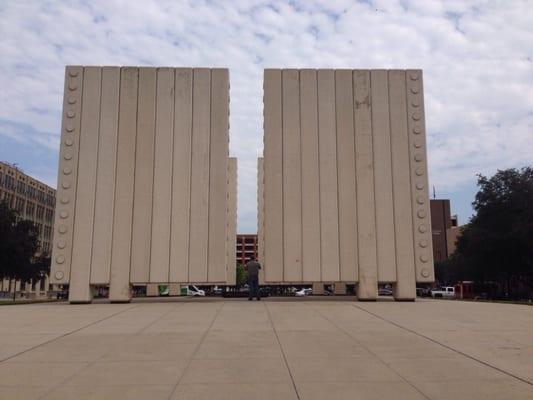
[
  {"x": 66, "y": 334},
  {"x": 445, "y": 346}
]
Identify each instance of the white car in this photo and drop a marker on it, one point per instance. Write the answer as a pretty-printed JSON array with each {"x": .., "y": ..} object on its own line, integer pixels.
[
  {"x": 447, "y": 292},
  {"x": 194, "y": 291},
  {"x": 303, "y": 292}
]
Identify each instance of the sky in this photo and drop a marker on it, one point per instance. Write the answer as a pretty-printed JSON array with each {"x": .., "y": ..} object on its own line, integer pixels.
[{"x": 477, "y": 58}]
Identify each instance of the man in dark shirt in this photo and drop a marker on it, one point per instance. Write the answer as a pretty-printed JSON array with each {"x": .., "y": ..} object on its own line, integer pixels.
[{"x": 253, "y": 268}]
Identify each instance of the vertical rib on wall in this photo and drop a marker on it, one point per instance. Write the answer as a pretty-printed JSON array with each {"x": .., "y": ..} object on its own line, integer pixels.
[
  {"x": 231, "y": 224},
  {"x": 345, "y": 176},
  {"x": 67, "y": 176},
  {"x": 143, "y": 168},
  {"x": 419, "y": 178}
]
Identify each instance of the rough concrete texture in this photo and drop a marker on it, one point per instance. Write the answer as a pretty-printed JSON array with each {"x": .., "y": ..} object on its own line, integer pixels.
[
  {"x": 290, "y": 349},
  {"x": 143, "y": 179},
  {"x": 344, "y": 190}
]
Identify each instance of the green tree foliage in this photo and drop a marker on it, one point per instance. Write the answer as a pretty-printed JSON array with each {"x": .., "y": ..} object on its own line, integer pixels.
[
  {"x": 18, "y": 246},
  {"x": 241, "y": 275},
  {"x": 497, "y": 245}
]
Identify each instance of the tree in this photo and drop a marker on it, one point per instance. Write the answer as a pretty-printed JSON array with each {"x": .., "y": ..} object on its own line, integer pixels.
[
  {"x": 18, "y": 246},
  {"x": 241, "y": 275},
  {"x": 497, "y": 244}
]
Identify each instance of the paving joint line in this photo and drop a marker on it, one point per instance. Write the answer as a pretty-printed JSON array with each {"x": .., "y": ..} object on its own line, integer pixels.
[
  {"x": 445, "y": 346},
  {"x": 405, "y": 380},
  {"x": 282, "y": 351},
  {"x": 88, "y": 364},
  {"x": 157, "y": 319},
  {"x": 66, "y": 334},
  {"x": 180, "y": 378}
]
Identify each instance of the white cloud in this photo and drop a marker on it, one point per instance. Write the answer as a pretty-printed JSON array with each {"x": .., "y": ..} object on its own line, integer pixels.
[{"x": 477, "y": 58}]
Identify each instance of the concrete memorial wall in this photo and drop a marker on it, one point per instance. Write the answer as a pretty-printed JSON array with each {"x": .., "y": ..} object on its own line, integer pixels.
[
  {"x": 146, "y": 193},
  {"x": 343, "y": 187}
]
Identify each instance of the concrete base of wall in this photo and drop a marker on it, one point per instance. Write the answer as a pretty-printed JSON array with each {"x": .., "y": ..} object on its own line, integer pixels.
[
  {"x": 174, "y": 289},
  {"x": 339, "y": 288},
  {"x": 152, "y": 289},
  {"x": 318, "y": 288}
]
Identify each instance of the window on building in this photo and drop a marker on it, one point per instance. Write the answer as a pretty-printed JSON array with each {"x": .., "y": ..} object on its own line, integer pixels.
[
  {"x": 21, "y": 187},
  {"x": 8, "y": 198},
  {"x": 30, "y": 209},
  {"x": 19, "y": 204},
  {"x": 10, "y": 183},
  {"x": 40, "y": 212}
]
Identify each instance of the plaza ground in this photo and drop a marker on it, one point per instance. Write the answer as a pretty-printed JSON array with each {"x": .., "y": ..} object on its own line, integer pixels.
[{"x": 273, "y": 349}]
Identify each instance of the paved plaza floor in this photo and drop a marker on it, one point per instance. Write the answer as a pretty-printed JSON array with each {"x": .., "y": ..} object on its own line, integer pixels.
[{"x": 273, "y": 349}]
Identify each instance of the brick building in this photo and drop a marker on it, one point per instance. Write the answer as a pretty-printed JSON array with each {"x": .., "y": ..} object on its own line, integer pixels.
[
  {"x": 445, "y": 229},
  {"x": 246, "y": 247}
]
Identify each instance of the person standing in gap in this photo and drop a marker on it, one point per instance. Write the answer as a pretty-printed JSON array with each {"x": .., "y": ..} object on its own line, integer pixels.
[{"x": 253, "y": 268}]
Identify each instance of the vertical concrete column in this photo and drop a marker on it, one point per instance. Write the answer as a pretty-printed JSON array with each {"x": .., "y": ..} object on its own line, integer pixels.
[
  {"x": 292, "y": 185},
  {"x": 231, "y": 203},
  {"x": 419, "y": 178},
  {"x": 105, "y": 177},
  {"x": 318, "y": 288},
  {"x": 67, "y": 177},
  {"x": 310, "y": 176},
  {"x": 339, "y": 288},
  {"x": 144, "y": 178},
  {"x": 405, "y": 288},
  {"x": 199, "y": 218},
  {"x": 119, "y": 284},
  {"x": 162, "y": 193},
  {"x": 346, "y": 176},
  {"x": 273, "y": 153},
  {"x": 218, "y": 168},
  {"x": 181, "y": 177},
  {"x": 152, "y": 290},
  {"x": 327, "y": 145},
  {"x": 260, "y": 218},
  {"x": 79, "y": 290},
  {"x": 381, "y": 145},
  {"x": 366, "y": 226}
]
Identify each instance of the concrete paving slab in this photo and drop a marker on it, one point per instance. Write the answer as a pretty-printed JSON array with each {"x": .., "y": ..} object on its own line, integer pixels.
[
  {"x": 358, "y": 390},
  {"x": 277, "y": 348},
  {"x": 235, "y": 391},
  {"x": 135, "y": 392}
]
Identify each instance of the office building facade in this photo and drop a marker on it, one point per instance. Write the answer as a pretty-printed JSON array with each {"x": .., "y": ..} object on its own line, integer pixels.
[{"x": 34, "y": 201}]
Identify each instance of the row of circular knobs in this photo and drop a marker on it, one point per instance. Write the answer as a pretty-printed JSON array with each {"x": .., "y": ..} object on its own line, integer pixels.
[
  {"x": 66, "y": 170},
  {"x": 420, "y": 170}
]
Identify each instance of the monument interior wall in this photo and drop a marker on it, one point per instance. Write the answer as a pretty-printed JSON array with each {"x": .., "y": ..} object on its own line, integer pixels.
[
  {"x": 144, "y": 190},
  {"x": 344, "y": 179}
]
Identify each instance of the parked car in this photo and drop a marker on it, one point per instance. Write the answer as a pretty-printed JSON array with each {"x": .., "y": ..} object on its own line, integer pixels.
[
  {"x": 303, "y": 292},
  {"x": 192, "y": 290},
  {"x": 447, "y": 292},
  {"x": 384, "y": 292},
  {"x": 423, "y": 292}
]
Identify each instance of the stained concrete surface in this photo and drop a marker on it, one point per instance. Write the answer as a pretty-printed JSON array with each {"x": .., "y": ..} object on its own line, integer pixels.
[{"x": 284, "y": 349}]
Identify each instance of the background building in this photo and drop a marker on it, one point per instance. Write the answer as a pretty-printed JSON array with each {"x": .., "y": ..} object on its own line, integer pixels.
[
  {"x": 444, "y": 229},
  {"x": 246, "y": 247},
  {"x": 35, "y": 201},
  {"x": 345, "y": 187}
]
